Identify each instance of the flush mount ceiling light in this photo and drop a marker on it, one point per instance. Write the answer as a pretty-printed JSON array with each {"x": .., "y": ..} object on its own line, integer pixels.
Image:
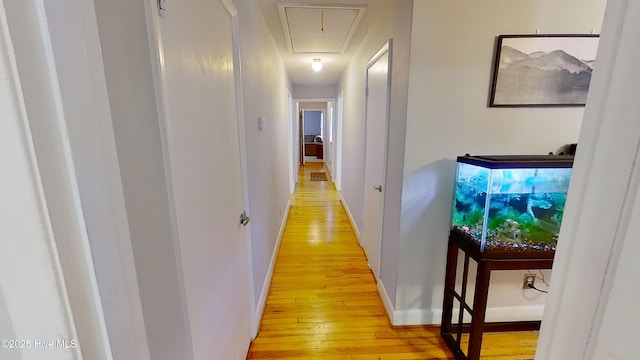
[{"x": 316, "y": 65}]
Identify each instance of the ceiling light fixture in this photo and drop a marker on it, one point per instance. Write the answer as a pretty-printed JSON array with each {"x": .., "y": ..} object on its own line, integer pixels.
[{"x": 316, "y": 65}]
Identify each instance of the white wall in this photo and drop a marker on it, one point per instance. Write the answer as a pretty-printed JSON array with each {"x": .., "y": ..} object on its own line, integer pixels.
[
  {"x": 393, "y": 23},
  {"x": 615, "y": 336},
  {"x": 313, "y": 92},
  {"x": 447, "y": 116},
  {"x": 592, "y": 312},
  {"x": 127, "y": 60},
  {"x": 34, "y": 63},
  {"x": 78, "y": 78},
  {"x": 265, "y": 83},
  {"x": 30, "y": 268},
  {"x": 312, "y": 105}
]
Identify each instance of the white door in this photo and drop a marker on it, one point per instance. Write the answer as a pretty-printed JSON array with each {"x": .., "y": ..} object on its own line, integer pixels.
[
  {"x": 338, "y": 153},
  {"x": 204, "y": 153},
  {"x": 378, "y": 71},
  {"x": 293, "y": 164},
  {"x": 329, "y": 135}
]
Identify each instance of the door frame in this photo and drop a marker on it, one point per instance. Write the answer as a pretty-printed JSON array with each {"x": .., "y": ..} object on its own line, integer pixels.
[
  {"x": 297, "y": 102},
  {"x": 323, "y": 116},
  {"x": 156, "y": 43},
  {"x": 386, "y": 48}
]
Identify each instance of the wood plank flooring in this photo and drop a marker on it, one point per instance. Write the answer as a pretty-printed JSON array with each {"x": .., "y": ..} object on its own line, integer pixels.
[{"x": 323, "y": 302}]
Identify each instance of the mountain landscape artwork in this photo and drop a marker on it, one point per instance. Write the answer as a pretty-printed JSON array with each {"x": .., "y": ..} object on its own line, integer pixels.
[{"x": 543, "y": 70}]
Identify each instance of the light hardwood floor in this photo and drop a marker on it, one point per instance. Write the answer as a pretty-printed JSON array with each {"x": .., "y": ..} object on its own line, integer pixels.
[{"x": 323, "y": 302}]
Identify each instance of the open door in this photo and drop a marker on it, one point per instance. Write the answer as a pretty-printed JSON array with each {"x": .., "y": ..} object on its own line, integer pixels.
[{"x": 301, "y": 136}]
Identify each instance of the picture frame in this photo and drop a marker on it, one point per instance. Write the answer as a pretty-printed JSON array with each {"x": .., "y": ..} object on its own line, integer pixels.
[{"x": 542, "y": 70}]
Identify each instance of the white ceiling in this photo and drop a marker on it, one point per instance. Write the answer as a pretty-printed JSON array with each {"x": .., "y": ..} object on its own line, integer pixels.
[{"x": 345, "y": 23}]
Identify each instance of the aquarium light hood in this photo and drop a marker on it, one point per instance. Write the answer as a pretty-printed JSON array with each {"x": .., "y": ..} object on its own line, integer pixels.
[{"x": 518, "y": 161}]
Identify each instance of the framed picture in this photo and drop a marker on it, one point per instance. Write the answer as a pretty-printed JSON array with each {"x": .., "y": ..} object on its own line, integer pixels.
[{"x": 543, "y": 70}]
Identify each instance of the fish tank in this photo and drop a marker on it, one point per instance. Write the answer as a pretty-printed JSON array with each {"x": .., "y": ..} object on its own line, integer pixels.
[{"x": 511, "y": 203}]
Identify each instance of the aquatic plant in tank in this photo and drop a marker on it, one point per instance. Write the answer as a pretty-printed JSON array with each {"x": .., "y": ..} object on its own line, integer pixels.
[{"x": 511, "y": 203}]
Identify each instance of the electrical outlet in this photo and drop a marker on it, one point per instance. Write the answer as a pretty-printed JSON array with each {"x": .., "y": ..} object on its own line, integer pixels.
[{"x": 529, "y": 281}]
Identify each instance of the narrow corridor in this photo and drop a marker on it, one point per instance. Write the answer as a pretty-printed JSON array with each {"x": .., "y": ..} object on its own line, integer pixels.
[{"x": 323, "y": 302}]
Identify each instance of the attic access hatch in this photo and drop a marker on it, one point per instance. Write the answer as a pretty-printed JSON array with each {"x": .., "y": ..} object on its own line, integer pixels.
[{"x": 319, "y": 29}]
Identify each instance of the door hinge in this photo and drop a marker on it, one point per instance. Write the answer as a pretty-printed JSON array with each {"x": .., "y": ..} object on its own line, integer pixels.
[{"x": 244, "y": 219}]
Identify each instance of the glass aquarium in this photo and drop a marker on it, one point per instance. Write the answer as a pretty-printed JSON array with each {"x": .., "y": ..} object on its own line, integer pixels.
[{"x": 511, "y": 203}]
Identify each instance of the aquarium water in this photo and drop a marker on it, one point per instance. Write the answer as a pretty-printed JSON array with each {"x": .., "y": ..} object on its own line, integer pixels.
[{"x": 510, "y": 208}]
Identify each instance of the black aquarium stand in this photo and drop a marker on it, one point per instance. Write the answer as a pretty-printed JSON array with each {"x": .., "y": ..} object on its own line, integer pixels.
[{"x": 487, "y": 262}]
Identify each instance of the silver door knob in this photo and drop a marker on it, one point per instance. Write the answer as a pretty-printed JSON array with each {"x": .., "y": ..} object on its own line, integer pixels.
[
  {"x": 244, "y": 219},
  {"x": 378, "y": 187}
]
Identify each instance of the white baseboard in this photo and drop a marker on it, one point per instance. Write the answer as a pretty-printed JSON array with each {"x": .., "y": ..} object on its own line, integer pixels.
[
  {"x": 350, "y": 216},
  {"x": 386, "y": 300},
  {"x": 414, "y": 317},
  {"x": 262, "y": 301},
  {"x": 501, "y": 314},
  {"x": 514, "y": 313}
]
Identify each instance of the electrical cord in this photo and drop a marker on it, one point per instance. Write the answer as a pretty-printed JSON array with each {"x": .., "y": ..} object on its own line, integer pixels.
[
  {"x": 542, "y": 277},
  {"x": 536, "y": 289}
]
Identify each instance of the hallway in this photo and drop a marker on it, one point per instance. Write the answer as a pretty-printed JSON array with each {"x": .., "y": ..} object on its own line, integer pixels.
[{"x": 323, "y": 302}]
